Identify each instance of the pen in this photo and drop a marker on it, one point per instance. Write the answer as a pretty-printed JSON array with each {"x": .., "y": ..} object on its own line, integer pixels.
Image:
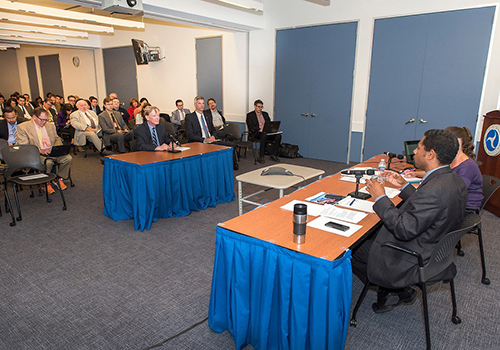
[{"x": 352, "y": 202}]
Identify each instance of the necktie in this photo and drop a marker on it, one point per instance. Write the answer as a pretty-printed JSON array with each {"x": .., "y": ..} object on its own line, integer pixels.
[
  {"x": 117, "y": 127},
  {"x": 204, "y": 124},
  {"x": 13, "y": 132},
  {"x": 92, "y": 122},
  {"x": 155, "y": 138}
]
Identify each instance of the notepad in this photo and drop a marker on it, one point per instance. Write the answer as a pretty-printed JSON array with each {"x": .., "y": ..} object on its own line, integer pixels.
[
  {"x": 33, "y": 177},
  {"x": 342, "y": 214},
  {"x": 358, "y": 204},
  {"x": 320, "y": 222}
]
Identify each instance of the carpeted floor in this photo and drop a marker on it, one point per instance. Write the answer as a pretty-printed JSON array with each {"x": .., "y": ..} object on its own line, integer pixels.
[{"x": 77, "y": 280}]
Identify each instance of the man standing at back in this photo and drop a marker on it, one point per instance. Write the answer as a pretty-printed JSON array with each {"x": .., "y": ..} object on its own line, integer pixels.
[{"x": 428, "y": 213}]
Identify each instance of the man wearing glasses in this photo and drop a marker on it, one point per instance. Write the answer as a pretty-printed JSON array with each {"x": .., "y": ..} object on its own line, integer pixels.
[{"x": 43, "y": 135}]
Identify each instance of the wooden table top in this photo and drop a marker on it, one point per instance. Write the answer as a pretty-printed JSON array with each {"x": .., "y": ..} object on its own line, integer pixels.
[
  {"x": 145, "y": 157},
  {"x": 273, "y": 224}
]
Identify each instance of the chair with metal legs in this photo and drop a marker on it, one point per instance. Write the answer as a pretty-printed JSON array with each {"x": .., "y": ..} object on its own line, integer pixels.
[
  {"x": 440, "y": 267},
  {"x": 490, "y": 186}
]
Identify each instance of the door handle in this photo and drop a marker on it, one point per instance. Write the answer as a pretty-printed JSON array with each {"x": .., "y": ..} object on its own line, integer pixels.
[
  {"x": 313, "y": 115},
  {"x": 412, "y": 120},
  {"x": 422, "y": 121},
  {"x": 304, "y": 114}
]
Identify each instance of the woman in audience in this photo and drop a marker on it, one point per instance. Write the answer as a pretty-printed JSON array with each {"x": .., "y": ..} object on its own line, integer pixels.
[
  {"x": 465, "y": 165},
  {"x": 38, "y": 102},
  {"x": 134, "y": 103},
  {"x": 63, "y": 122},
  {"x": 138, "y": 112}
]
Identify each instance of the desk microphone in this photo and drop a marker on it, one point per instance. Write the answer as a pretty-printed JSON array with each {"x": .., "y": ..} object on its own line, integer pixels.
[
  {"x": 174, "y": 142},
  {"x": 358, "y": 172},
  {"x": 394, "y": 155}
]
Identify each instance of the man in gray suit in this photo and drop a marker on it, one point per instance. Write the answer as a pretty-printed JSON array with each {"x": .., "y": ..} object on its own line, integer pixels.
[
  {"x": 179, "y": 114},
  {"x": 113, "y": 127},
  {"x": 25, "y": 108},
  {"x": 426, "y": 215}
]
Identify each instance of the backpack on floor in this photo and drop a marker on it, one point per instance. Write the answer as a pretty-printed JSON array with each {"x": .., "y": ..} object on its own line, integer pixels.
[{"x": 289, "y": 151}]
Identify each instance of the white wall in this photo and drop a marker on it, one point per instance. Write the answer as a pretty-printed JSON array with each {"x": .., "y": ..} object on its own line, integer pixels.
[
  {"x": 294, "y": 13},
  {"x": 175, "y": 77},
  {"x": 79, "y": 81}
]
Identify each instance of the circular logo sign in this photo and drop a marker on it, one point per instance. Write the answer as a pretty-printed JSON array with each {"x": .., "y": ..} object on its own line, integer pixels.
[{"x": 491, "y": 140}]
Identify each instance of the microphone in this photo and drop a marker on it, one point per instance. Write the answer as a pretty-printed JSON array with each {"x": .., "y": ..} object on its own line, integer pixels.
[
  {"x": 394, "y": 155},
  {"x": 172, "y": 137},
  {"x": 175, "y": 142},
  {"x": 358, "y": 172}
]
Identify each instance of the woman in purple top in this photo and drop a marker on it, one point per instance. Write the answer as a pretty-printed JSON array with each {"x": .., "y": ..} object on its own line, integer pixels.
[{"x": 465, "y": 165}]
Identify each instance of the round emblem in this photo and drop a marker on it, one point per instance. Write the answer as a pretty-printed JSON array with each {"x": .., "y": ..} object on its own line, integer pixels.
[
  {"x": 491, "y": 140},
  {"x": 76, "y": 61}
]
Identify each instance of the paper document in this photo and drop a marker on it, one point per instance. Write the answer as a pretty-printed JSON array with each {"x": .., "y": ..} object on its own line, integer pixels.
[
  {"x": 182, "y": 148},
  {"x": 33, "y": 177},
  {"x": 325, "y": 198},
  {"x": 320, "y": 222},
  {"x": 389, "y": 191},
  {"x": 353, "y": 179},
  {"x": 312, "y": 209},
  {"x": 332, "y": 211},
  {"x": 358, "y": 204}
]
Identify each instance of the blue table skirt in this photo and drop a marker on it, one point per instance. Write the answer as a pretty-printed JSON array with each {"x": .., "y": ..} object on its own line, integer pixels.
[
  {"x": 274, "y": 298},
  {"x": 167, "y": 189}
]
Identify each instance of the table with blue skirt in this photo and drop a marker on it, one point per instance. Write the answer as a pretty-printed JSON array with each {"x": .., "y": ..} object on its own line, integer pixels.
[
  {"x": 147, "y": 186},
  {"x": 273, "y": 293}
]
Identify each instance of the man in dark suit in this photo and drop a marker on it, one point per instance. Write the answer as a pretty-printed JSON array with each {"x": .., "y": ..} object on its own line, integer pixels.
[
  {"x": 199, "y": 127},
  {"x": 255, "y": 123},
  {"x": 426, "y": 215},
  {"x": 113, "y": 127},
  {"x": 152, "y": 135},
  {"x": 94, "y": 105},
  {"x": 8, "y": 126},
  {"x": 47, "y": 105}
]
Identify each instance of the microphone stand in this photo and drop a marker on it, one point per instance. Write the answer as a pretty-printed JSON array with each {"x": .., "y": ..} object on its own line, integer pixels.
[
  {"x": 173, "y": 150},
  {"x": 356, "y": 193}
]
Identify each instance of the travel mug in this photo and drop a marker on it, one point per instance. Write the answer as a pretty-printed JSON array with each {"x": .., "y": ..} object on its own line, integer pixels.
[{"x": 299, "y": 223}]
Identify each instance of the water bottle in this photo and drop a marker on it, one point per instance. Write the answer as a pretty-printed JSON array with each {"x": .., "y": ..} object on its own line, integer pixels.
[{"x": 382, "y": 166}]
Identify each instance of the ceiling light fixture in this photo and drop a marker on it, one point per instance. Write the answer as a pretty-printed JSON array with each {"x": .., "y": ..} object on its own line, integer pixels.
[
  {"x": 31, "y": 29},
  {"x": 77, "y": 16},
  {"x": 16, "y": 18},
  {"x": 246, "y": 4}
]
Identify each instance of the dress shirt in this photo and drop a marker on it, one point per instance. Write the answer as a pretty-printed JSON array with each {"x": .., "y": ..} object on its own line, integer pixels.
[
  {"x": 203, "y": 126},
  {"x": 12, "y": 133},
  {"x": 26, "y": 113},
  {"x": 89, "y": 123},
  {"x": 216, "y": 118},
  {"x": 262, "y": 121}
]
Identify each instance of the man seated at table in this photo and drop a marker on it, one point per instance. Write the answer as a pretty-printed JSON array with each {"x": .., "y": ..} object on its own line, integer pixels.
[
  {"x": 255, "y": 123},
  {"x": 113, "y": 127},
  {"x": 42, "y": 134},
  {"x": 152, "y": 135},
  {"x": 425, "y": 216},
  {"x": 199, "y": 128}
]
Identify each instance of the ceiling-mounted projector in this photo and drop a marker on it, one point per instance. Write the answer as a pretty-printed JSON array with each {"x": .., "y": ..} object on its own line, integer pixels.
[{"x": 129, "y": 7}]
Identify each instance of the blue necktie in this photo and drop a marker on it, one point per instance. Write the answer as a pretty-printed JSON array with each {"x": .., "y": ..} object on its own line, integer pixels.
[
  {"x": 204, "y": 126},
  {"x": 155, "y": 138},
  {"x": 13, "y": 132}
]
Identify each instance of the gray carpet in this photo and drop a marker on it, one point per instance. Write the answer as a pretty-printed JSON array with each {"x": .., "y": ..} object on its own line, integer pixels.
[{"x": 77, "y": 280}]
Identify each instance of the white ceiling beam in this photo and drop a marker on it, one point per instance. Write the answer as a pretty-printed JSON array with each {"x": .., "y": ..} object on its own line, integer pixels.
[
  {"x": 39, "y": 30},
  {"x": 30, "y": 36},
  {"x": 17, "y": 18},
  {"x": 59, "y": 13}
]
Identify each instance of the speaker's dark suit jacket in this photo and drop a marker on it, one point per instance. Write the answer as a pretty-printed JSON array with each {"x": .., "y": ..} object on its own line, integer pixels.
[
  {"x": 4, "y": 129},
  {"x": 193, "y": 128},
  {"x": 253, "y": 122},
  {"x": 145, "y": 140},
  {"x": 428, "y": 213}
]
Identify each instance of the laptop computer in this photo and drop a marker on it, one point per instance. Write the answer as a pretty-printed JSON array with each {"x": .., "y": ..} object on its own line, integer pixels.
[
  {"x": 59, "y": 151},
  {"x": 271, "y": 127},
  {"x": 409, "y": 148}
]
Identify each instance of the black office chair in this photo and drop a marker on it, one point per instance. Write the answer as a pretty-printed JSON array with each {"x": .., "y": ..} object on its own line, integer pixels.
[
  {"x": 26, "y": 158},
  {"x": 440, "y": 267},
  {"x": 67, "y": 150},
  {"x": 490, "y": 186},
  {"x": 165, "y": 117}
]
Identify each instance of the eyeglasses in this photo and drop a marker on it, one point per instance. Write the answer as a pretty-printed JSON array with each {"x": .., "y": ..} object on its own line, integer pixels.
[{"x": 43, "y": 120}]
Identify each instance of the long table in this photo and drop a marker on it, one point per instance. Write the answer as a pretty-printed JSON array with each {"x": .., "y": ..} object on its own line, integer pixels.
[
  {"x": 275, "y": 294},
  {"x": 147, "y": 186}
]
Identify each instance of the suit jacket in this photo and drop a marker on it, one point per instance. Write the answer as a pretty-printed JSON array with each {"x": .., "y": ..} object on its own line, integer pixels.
[
  {"x": 27, "y": 135},
  {"x": 123, "y": 112},
  {"x": 52, "y": 115},
  {"x": 28, "y": 108},
  {"x": 427, "y": 214},
  {"x": 4, "y": 129},
  {"x": 176, "y": 116},
  {"x": 98, "y": 110},
  {"x": 108, "y": 127},
  {"x": 253, "y": 122},
  {"x": 193, "y": 128},
  {"x": 79, "y": 122},
  {"x": 145, "y": 140}
]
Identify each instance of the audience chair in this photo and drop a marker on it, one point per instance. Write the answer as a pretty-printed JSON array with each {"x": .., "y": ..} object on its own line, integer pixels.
[
  {"x": 246, "y": 144},
  {"x": 56, "y": 165},
  {"x": 26, "y": 158},
  {"x": 490, "y": 186},
  {"x": 165, "y": 117},
  {"x": 3, "y": 169},
  {"x": 170, "y": 128},
  {"x": 440, "y": 267},
  {"x": 230, "y": 132}
]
